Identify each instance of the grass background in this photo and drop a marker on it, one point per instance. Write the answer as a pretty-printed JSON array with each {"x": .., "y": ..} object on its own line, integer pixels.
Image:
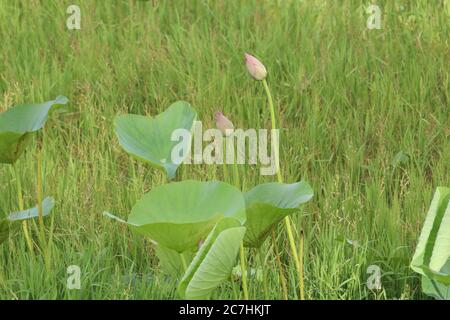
[{"x": 365, "y": 112}]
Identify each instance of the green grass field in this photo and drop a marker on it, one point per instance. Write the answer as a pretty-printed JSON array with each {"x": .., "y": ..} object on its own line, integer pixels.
[{"x": 365, "y": 116}]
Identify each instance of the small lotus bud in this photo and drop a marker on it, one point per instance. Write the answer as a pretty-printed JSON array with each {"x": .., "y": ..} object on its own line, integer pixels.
[
  {"x": 256, "y": 69},
  {"x": 223, "y": 123}
]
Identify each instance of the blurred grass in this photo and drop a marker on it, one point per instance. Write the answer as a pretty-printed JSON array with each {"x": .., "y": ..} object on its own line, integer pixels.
[{"x": 365, "y": 112}]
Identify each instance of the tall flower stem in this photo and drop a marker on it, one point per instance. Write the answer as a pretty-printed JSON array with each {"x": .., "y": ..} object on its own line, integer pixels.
[
  {"x": 287, "y": 220},
  {"x": 21, "y": 208}
]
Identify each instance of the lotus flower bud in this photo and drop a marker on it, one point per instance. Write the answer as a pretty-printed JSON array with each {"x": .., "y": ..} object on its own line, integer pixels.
[
  {"x": 256, "y": 69},
  {"x": 223, "y": 123}
]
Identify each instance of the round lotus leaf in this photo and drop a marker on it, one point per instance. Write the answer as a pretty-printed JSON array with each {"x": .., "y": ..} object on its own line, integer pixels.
[{"x": 179, "y": 215}]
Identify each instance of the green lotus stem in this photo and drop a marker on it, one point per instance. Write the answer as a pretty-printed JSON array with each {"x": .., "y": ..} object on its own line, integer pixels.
[
  {"x": 21, "y": 208},
  {"x": 287, "y": 220},
  {"x": 280, "y": 267},
  {"x": 274, "y": 126},
  {"x": 243, "y": 271}
]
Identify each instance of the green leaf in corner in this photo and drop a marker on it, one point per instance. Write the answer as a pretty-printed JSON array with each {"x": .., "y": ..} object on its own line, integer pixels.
[
  {"x": 19, "y": 123},
  {"x": 433, "y": 249},
  {"x": 435, "y": 288}
]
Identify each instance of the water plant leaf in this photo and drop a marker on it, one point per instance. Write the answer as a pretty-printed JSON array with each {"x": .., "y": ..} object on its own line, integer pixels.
[
  {"x": 214, "y": 262},
  {"x": 170, "y": 261},
  {"x": 47, "y": 206},
  {"x": 9, "y": 222},
  {"x": 442, "y": 276},
  {"x": 150, "y": 139},
  {"x": 435, "y": 288},
  {"x": 267, "y": 204},
  {"x": 18, "y": 123},
  {"x": 179, "y": 215},
  {"x": 433, "y": 248}
]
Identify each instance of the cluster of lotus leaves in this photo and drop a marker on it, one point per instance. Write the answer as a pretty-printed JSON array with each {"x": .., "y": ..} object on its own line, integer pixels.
[
  {"x": 204, "y": 222},
  {"x": 150, "y": 139},
  {"x": 432, "y": 256},
  {"x": 19, "y": 123},
  {"x": 9, "y": 223},
  {"x": 179, "y": 216}
]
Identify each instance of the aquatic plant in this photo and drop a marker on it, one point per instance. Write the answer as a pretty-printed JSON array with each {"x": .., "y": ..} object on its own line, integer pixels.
[
  {"x": 17, "y": 127},
  {"x": 149, "y": 139},
  {"x": 432, "y": 256}
]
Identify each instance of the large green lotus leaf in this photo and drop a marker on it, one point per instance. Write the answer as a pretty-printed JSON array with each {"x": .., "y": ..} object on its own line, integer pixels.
[
  {"x": 435, "y": 288},
  {"x": 433, "y": 248},
  {"x": 150, "y": 139},
  {"x": 179, "y": 215},
  {"x": 19, "y": 123},
  {"x": 214, "y": 262},
  {"x": 268, "y": 204},
  {"x": 9, "y": 222}
]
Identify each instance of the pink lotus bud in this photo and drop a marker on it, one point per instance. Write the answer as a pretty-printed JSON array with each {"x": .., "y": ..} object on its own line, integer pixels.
[
  {"x": 256, "y": 69},
  {"x": 223, "y": 123}
]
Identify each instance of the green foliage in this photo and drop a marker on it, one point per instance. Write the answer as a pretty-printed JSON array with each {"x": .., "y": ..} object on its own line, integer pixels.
[
  {"x": 351, "y": 99},
  {"x": 435, "y": 288},
  {"x": 214, "y": 261},
  {"x": 8, "y": 223},
  {"x": 19, "y": 123},
  {"x": 171, "y": 261},
  {"x": 179, "y": 215},
  {"x": 432, "y": 254},
  {"x": 268, "y": 204},
  {"x": 150, "y": 139}
]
